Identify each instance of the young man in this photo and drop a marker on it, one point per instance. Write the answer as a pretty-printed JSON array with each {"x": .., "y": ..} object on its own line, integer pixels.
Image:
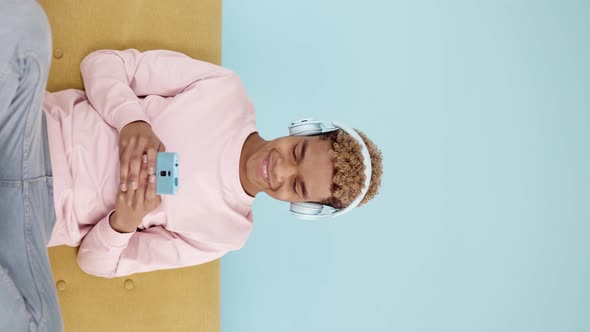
[{"x": 103, "y": 144}]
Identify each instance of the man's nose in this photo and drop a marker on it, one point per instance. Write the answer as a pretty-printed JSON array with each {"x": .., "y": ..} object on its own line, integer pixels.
[{"x": 284, "y": 170}]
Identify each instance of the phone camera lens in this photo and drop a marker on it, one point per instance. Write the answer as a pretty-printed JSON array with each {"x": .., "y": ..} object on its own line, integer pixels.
[{"x": 163, "y": 173}]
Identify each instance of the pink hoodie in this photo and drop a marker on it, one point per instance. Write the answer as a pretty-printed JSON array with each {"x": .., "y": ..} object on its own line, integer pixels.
[{"x": 200, "y": 111}]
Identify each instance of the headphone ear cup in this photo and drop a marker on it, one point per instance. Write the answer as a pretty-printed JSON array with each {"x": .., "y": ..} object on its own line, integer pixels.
[
  {"x": 306, "y": 209},
  {"x": 305, "y": 127}
]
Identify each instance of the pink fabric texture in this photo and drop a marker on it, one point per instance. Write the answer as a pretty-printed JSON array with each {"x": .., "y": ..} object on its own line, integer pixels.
[{"x": 200, "y": 111}]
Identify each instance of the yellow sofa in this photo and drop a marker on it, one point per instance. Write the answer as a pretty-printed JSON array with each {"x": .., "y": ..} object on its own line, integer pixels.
[{"x": 186, "y": 299}]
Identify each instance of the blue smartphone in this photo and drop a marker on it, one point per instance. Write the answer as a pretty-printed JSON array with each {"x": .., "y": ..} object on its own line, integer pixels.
[{"x": 166, "y": 173}]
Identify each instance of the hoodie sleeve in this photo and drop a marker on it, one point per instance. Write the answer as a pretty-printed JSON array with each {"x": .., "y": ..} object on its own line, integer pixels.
[
  {"x": 107, "y": 253},
  {"x": 115, "y": 80}
]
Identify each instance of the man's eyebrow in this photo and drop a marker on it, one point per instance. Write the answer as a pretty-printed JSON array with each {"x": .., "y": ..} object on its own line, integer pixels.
[
  {"x": 305, "y": 142},
  {"x": 303, "y": 149}
]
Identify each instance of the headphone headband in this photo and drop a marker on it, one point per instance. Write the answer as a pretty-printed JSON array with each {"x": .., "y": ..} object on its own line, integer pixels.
[{"x": 309, "y": 127}]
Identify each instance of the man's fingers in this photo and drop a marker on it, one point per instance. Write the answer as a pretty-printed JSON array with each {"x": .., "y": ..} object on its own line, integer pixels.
[
  {"x": 140, "y": 192},
  {"x": 136, "y": 153},
  {"x": 126, "y": 198},
  {"x": 123, "y": 198},
  {"x": 151, "y": 160},
  {"x": 134, "y": 168},
  {"x": 120, "y": 197},
  {"x": 150, "y": 194},
  {"x": 124, "y": 169}
]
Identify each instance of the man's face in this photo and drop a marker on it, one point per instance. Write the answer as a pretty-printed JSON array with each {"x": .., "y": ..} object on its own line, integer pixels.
[{"x": 293, "y": 169}]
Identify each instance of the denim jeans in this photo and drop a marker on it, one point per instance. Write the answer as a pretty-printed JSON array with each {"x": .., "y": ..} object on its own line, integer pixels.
[{"x": 28, "y": 298}]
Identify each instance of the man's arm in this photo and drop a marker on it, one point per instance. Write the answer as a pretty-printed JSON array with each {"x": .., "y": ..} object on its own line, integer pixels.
[
  {"x": 114, "y": 80},
  {"x": 107, "y": 253}
]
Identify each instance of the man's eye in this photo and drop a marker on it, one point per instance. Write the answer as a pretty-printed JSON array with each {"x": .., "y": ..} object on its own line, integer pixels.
[
  {"x": 294, "y": 154},
  {"x": 294, "y": 186}
]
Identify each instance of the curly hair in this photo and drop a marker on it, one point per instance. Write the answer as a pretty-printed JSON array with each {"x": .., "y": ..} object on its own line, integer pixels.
[{"x": 349, "y": 169}]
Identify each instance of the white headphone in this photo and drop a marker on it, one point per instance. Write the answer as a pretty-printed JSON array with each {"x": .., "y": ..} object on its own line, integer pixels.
[{"x": 315, "y": 211}]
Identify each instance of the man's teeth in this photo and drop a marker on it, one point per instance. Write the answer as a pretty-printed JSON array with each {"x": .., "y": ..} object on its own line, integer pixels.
[{"x": 266, "y": 172}]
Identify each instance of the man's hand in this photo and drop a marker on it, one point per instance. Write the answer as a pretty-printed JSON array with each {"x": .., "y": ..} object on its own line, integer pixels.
[
  {"x": 137, "y": 139},
  {"x": 132, "y": 206}
]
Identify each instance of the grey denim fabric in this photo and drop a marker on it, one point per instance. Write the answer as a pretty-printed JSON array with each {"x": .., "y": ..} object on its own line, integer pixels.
[{"x": 28, "y": 298}]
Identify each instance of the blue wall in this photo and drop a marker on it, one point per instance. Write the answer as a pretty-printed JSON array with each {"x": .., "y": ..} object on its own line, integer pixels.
[{"x": 482, "y": 111}]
